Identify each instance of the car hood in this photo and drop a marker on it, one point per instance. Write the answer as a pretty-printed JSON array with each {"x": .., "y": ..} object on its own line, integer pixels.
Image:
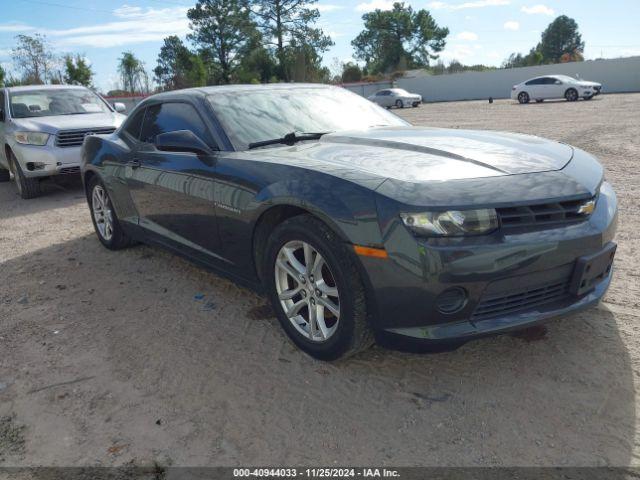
[
  {"x": 586, "y": 83},
  {"x": 53, "y": 124},
  {"x": 432, "y": 154}
]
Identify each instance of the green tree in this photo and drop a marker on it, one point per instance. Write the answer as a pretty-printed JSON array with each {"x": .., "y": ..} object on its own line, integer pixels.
[
  {"x": 303, "y": 63},
  {"x": 561, "y": 38},
  {"x": 77, "y": 70},
  {"x": 132, "y": 74},
  {"x": 2, "y": 76},
  {"x": 257, "y": 64},
  {"x": 351, "y": 72},
  {"x": 178, "y": 67},
  {"x": 288, "y": 26},
  {"x": 223, "y": 29},
  {"x": 399, "y": 38},
  {"x": 32, "y": 57}
]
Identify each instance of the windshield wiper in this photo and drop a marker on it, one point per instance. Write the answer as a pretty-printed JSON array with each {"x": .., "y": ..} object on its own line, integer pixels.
[{"x": 288, "y": 139}]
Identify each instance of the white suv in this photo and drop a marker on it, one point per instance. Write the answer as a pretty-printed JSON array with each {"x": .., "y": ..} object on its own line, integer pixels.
[
  {"x": 42, "y": 128},
  {"x": 554, "y": 86}
]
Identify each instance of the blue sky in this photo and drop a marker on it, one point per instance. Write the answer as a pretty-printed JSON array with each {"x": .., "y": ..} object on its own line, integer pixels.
[{"x": 482, "y": 31}]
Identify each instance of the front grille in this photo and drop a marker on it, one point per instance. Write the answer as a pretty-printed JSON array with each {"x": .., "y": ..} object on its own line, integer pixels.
[
  {"x": 74, "y": 138},
  {"x": 522, "y": 300},
  {"x": 542, "y": 214},
  {"x": 69, "y": 170}
]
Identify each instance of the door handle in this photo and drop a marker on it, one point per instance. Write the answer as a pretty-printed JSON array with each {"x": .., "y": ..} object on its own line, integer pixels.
[{"x": 135, "y": 163}]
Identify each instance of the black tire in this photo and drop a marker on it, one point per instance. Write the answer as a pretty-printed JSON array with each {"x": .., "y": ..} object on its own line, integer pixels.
[
  {"x": 589, "y": 97},
  {"x": 118, "y": 239},
  {"x": 415, "y": 104},
  {"x": 571, "y": 95},
  {"x": 5, "y": 175},
  {"x": 27, "y": 187},
  {"x": 352, "y": 333},
  {"x": 523, "y": 97},
  {"x": 399, "y": 104}
]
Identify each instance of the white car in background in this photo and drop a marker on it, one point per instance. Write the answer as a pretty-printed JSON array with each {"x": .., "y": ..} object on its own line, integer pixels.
[
  {"x": 42, "y": 128},
  {"x": 554, "y": 86},
  {"x": 396, "y": 97}
]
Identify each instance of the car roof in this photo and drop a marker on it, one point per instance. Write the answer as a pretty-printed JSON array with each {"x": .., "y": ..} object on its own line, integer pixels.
[
  {"x": 26, "y": 88},
  {"x": 270, "y": 87}
]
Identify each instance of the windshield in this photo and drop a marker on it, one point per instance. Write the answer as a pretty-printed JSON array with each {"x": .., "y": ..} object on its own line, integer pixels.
[
  {"x": 258, "y": 115},
  {"x": 567, "y": 79},
  {"x": 48, "y": 102}
]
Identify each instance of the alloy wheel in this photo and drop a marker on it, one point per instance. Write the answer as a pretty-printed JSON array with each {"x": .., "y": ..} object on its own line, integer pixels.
[
  {"x": 307, "y": 291},
  {"x": 101, "y": 208}
]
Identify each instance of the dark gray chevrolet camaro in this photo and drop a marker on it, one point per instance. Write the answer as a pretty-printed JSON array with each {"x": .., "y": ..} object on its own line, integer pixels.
[{"x": 353, "y": 221}]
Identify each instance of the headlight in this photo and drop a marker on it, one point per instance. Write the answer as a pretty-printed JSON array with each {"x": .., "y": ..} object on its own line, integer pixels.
[
  {"x": 31, "y": 138},
  {"x": 452, "y": 223}
]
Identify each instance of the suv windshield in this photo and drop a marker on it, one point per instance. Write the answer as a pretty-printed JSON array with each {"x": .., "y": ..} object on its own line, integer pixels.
[
  {"x": 253, "y": 116},
  {"x": 58, "y": 101}
]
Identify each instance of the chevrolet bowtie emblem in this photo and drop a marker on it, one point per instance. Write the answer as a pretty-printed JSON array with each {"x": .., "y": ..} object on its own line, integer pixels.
[{"x": 587, "y": 208}]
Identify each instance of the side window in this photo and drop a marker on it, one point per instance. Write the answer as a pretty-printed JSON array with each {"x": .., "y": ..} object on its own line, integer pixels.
[
  {"x": 134, "y": 124},
  {"x": 169, "y": 117},
  {"x": 535, "y": 81}
]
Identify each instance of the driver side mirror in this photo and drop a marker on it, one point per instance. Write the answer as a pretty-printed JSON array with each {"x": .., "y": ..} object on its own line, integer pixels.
[
  {"x": 119, "y": 107},
  {"x": 182, "y": 141}
]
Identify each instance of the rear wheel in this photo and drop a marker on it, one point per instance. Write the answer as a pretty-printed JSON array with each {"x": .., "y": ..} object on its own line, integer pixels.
[
  {"x": 571, "y": 95},
  {"x": 105, "y": 220},
  {"x": 399, "y": 104},
  {"x": 27, "y": 187},
  {"x": 316, "y": 290},
  {"x": 523, "y": 97}
]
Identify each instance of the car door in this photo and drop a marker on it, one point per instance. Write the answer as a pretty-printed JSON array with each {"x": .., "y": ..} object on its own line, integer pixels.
[
  {"x": 534, "y": 88},
  {"x": 555, "y": 87},
  {"x": 383, "y": 97},
  {"x": 173, "y": 191},
  {"x": 4, "y": 162}
]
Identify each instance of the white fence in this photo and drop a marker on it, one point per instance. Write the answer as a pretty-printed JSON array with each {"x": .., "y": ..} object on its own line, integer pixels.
[{"x": 616, "y": 75}]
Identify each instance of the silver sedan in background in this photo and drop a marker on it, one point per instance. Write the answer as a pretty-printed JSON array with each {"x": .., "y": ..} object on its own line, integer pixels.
[{"x": 396, "y": 97}]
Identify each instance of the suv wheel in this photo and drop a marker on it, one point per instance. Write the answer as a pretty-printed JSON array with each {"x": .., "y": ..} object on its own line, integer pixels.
[
  {"x": 316, "y": 290},
  {"x": 27, "y": 187},
  {"x": 105, "y": 221}
]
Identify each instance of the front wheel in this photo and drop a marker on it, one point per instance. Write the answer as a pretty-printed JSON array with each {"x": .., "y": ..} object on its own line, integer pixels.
[
  {"x": 316, "y": 289},
  {"x": 523, "y": 97},
  {"x": 27, "y": 187},
  {"x": 105, "y": 220},
  {"x": 571, "y": 95}
]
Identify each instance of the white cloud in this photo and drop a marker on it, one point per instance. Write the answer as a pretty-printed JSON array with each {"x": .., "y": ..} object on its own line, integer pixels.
[
  {"x": 468, "y": 36},
  {"x": 459, "y": 52},
  {"x": 15, "y": 27},
  {"x": 375, "y": 5},
  {"x": 512, "y": 25},
  {"x": 137, "y": 25},
  {"x": 437, "y": 5},
  {"x": 538, "y": 9},
  {"x": 328, "y": 8}
]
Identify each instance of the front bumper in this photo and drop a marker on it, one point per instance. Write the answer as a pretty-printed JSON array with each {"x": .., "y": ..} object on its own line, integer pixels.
[
  {"x": 405, "y": 288},
  {"x": 47, "y": 160}
]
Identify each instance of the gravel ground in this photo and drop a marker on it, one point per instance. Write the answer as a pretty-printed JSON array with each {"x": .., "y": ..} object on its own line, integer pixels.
[{"x": 136, "y": 357}]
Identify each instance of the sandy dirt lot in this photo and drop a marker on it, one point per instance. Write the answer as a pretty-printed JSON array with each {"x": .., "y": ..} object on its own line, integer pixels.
[{"x": 109, "y": 358}]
